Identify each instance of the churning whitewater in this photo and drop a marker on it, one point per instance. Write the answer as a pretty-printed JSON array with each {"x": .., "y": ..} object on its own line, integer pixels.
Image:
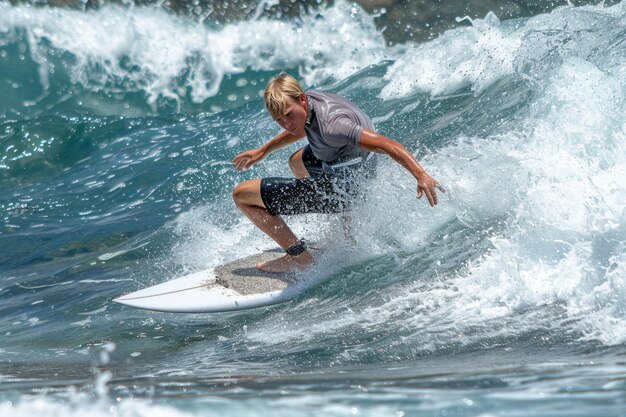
[{"x": 117, "y": 129}]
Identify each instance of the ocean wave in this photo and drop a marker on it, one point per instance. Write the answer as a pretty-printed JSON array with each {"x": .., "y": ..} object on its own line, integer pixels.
[
  {"x": 117, "y": 51},
  {"x": 523, "y": 122}
]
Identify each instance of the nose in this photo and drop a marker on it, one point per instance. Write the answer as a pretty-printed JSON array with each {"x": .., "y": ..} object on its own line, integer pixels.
[
  {"x": 284, "y": 124},
  {"x": 288, "y": 125}
]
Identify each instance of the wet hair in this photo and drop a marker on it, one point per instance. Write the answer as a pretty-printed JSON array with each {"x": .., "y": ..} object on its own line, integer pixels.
[{"x": 278, "y": 92}]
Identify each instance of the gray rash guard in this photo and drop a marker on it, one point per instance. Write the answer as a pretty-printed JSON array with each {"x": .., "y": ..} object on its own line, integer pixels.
[{"x": 334, "y": 127}]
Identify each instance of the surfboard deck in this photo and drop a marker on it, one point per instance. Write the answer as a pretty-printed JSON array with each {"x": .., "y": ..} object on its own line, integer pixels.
[{"x": 237, "y": 285}]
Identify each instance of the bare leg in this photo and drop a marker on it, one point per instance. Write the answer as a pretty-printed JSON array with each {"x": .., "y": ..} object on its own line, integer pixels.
[
  {"x": 247, "y": 196},
  {"x": 296, "y": 164}
]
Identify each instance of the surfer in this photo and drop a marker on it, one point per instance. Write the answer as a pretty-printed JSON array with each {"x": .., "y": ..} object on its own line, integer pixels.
[{"x": 330, "y": 171}]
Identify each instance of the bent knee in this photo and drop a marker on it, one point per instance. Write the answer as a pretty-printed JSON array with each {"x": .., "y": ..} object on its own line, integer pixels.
[
  {"x": 240, "y": 192},
  {"x": 297, "y": 164},
  {"x": 296, "y": 156},
  {"x": 248, "y": 193}
]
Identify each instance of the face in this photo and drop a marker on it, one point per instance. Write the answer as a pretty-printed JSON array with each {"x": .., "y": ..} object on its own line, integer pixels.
[{"x": 294, "y": 118}]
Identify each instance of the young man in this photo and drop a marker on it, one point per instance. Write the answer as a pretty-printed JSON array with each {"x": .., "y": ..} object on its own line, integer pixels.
[{"x": 329, "y": 172}]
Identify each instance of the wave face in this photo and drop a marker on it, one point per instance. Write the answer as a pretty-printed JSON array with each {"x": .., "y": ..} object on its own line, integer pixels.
[
  {"x": 117, "y": 129},
  {"x": 143, "y": 60}
]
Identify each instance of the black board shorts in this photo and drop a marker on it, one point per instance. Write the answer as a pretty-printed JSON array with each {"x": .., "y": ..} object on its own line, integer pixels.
[{"x": 325, "y": 191}]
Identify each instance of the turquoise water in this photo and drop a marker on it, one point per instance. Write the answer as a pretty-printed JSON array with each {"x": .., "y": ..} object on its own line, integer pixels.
[{"x": 117, "y": 127}]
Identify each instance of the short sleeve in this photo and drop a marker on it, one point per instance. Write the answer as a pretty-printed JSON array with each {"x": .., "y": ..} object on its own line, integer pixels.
[{"x": 343, "y": 131}]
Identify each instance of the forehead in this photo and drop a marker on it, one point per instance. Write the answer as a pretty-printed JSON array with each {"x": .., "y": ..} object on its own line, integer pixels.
[{"x": 288, "y": 109}]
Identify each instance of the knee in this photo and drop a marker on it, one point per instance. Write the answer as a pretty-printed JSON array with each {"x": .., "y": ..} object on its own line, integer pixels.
[
  {"x": 239, "y": 193},
  {"x": 247, "y": 193},
  {"x": 295, "y": 158},
  {"x": 297, "y": 165}
]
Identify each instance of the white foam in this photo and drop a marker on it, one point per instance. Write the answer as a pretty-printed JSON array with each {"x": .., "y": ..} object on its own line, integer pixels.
[
  {"x": 52, "y": 408},
  {"x": 280, "y": 406},
  {"x": 473, "y": 56},
  {"x": 488, "y": 51},
  {"x": 572, "y": 159},
  {"x": 146, "y": 49}
]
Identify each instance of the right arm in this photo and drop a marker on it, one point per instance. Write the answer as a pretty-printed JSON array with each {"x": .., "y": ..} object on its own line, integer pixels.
[{"x": 248, "y": 158}]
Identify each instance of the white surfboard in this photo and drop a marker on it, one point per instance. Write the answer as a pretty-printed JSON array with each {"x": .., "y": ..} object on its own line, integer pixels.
[{"x": 234, "y": 286}]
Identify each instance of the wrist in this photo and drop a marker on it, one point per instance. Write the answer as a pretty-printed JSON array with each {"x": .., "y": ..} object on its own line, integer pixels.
[{"x": 420, "y": 175}]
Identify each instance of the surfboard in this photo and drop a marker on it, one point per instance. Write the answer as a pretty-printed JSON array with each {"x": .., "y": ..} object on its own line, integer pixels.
[{"x": 237, "y": 285}]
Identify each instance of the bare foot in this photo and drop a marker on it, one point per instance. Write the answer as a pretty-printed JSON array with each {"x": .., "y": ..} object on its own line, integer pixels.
[{"x": 287, "y": 263}]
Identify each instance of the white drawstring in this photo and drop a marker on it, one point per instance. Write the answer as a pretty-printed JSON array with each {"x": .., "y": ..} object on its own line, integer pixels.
[{"x": 351, "y": 162}]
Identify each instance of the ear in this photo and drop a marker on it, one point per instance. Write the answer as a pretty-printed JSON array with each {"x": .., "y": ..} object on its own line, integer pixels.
[{"x": 304, "y": 102}]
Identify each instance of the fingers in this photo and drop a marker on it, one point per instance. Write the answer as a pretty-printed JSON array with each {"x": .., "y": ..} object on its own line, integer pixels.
[
  {"x": 241, "y": 162},
  {"x": 431, "y": 195},
  {"x": 246, "y": 159},
  {"x": 237, "y": 161},
  {"x": 431, "y": 192},
  {"x": 428, "y": 185}
]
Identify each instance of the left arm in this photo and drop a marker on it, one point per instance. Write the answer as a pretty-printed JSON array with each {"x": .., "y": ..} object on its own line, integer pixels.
[{"x": 374, "y": 142}]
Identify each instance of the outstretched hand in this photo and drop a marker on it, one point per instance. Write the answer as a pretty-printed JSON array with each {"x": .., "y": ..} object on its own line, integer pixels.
[
  {"x": 428, "y": 185},
  {"x": 248, "y": 158}
]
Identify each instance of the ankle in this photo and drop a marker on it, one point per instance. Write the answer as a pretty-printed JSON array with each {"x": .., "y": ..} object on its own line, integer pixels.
[{"x": 296, "y": 250}]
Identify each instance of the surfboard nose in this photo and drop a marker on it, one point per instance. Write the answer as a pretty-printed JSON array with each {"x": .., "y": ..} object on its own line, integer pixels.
[{"x": 128, "y": 301}]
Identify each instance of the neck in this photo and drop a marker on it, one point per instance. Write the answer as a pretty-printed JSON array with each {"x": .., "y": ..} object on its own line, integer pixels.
[{"x": 309, "y": 114}]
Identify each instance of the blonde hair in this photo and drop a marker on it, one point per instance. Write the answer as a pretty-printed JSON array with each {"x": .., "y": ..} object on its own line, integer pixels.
[{"x": 278, "y": 92}]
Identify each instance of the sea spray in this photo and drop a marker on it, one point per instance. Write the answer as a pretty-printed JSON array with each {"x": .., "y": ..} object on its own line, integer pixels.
[
  {"x": 115, "y": 52},
  {"x": 506, "y": 298}
]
